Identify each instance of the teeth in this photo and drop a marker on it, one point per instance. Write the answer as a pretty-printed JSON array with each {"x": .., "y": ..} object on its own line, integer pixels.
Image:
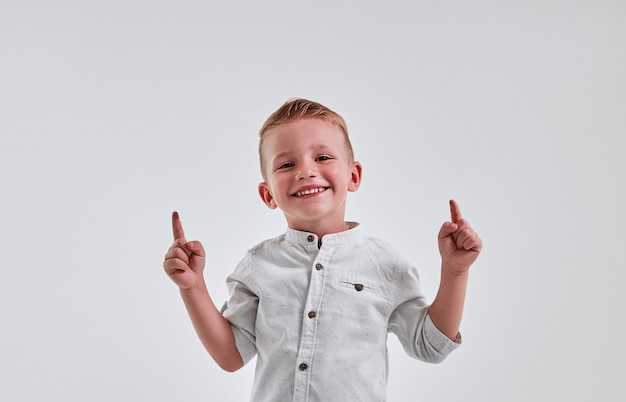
[{"x": 310, "y": 191}]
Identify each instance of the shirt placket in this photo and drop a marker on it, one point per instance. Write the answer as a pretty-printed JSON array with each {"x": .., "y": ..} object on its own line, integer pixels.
[{"x": 304, "y": 369}]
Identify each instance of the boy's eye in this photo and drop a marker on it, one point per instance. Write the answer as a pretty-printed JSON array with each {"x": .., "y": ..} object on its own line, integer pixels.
[
  {"x": 285, "y": 165},
  {"x": 323, "y": 158}
]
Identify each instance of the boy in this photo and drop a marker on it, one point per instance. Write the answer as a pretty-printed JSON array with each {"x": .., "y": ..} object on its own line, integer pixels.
[{"x": 316, "y": 303}]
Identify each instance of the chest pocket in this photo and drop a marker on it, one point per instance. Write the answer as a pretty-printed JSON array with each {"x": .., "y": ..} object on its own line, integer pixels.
[
  {"x": 362, "y": 288},
  {"x": 357, "y": 286},
  {"x": 362, "y": 302}
]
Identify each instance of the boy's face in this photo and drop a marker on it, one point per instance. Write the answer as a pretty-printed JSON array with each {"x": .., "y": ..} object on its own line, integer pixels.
[{"x": 309, "y": 175}]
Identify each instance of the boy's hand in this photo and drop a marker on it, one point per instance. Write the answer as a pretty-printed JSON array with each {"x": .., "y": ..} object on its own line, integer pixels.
[
  {"x": 184, "y": 261},
  {"x": 459, "y": 245}
]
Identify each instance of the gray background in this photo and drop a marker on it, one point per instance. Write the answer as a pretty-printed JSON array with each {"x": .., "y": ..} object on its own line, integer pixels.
[{"x": 115, "y": 113}]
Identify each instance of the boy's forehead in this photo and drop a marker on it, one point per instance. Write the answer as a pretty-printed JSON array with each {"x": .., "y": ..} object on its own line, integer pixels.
[
  {"x": 306, "y": 132},
  {"x": 306, "y": 125}
]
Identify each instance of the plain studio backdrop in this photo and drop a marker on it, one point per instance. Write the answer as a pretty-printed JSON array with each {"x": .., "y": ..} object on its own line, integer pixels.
[{"x": 115, "y": 113}]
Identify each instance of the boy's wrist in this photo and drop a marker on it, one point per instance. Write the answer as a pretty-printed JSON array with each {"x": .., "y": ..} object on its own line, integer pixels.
[
  {"x": 454, "y": 272},
  {"x": 199, "y": 287}
]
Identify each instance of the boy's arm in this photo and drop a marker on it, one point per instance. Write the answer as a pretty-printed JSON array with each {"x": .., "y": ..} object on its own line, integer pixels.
[
  {"x": 212, "y": 328},
  {"x": 459, "y": 246},
  {"x": 184, "y": 264}
]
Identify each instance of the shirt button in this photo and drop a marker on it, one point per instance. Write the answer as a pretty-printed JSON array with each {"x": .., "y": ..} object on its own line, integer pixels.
[
  {"x": 303, "y": 366},
  {"x": 310, "y": 238},
  {"x": 358, "y": 287},
  {"x": 312, "y": 314},
  {"x": 318, "y": 266}
]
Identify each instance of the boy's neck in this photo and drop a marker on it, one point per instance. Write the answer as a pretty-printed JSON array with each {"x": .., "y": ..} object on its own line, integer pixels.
[{"x": 322, "y": 231}]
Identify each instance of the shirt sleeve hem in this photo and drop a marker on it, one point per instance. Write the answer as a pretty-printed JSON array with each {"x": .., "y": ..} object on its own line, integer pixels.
[
  {"x": 438, "y": 340},
  {"x": 246, "y": 348}
]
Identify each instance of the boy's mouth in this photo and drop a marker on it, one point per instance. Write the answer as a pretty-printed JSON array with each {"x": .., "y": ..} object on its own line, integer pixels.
[{"x": 310, "y": 191}]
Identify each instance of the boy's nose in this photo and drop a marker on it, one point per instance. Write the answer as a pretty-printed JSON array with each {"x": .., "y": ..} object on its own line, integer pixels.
[{"x": 306, "y": 171}]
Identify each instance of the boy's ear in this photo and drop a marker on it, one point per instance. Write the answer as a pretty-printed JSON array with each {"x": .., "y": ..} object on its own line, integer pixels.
[
  {"x": 266, "y": 195},
  {"x": 355, "y": 176}
]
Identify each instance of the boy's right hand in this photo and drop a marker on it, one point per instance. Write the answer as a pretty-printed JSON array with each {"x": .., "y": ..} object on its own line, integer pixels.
[{"x": 184, "y": 261}]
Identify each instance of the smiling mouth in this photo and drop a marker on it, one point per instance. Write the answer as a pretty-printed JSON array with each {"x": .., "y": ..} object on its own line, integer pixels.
[{"x": 310, "y": 191}]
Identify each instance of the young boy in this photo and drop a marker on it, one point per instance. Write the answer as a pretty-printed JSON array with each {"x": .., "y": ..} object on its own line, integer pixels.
[{"x": 316, "y": 303}]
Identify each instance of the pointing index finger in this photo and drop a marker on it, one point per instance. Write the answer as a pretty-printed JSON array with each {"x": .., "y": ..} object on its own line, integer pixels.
[
  {"x": 455, "y": 211},
  {"x": 177, "y": 227}
]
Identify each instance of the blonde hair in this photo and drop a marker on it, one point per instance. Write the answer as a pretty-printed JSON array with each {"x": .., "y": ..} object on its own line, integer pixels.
[{"x": 298, "y": 108}]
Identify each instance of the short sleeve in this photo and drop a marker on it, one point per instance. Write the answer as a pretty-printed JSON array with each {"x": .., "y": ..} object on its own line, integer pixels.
[
  {"x": 240, "y": 310},
  {"x": 410, "y": 322}
]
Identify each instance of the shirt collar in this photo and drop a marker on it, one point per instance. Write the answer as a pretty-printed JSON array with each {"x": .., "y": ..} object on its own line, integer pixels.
[{"x": 351, "y": 235}]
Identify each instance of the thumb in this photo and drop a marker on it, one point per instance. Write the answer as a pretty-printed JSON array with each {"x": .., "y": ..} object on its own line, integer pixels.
[
  {"x": 447, "y": 229},
  {"x": 197, "y": 257},
  {"x": 196, "y": 248}
]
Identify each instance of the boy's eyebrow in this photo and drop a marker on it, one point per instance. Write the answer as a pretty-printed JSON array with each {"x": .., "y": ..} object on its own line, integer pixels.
[
  {"x": 281, "y": 155},
  {"x": 315, "y": 147},
  {"x": 323, "y": 147}
]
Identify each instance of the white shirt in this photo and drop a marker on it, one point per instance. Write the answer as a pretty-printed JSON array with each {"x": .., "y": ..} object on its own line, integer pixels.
[{"x": 317, "y": 319}]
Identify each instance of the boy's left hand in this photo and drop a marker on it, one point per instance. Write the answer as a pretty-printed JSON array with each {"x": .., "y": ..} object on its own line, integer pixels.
[{"x": 459, "y": 244}]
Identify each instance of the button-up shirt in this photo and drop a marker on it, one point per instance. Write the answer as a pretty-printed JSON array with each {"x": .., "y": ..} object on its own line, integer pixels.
[{"x": 317, "y": 318}]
